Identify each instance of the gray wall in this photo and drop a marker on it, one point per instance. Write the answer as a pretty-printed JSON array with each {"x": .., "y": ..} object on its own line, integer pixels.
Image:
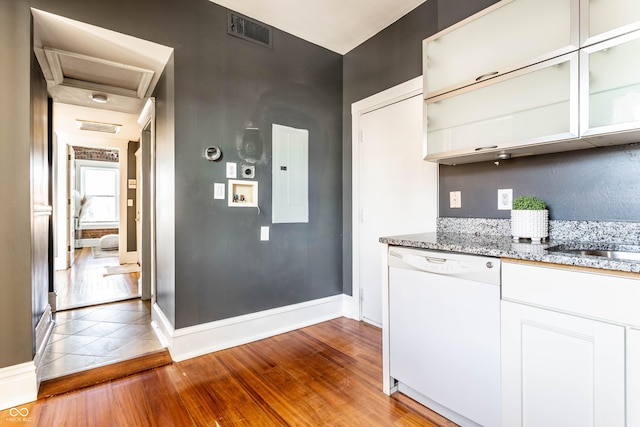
[
  {"x": 600, "y": 184},
  {"x": 40, "y": 196},
  {"x": 391, "y": 57},
  {"x": 165, "y": 192},
  {"x": 223, "y": 84},
  {"x": 132, "y": 243},
  {"x": 15, "y": 215},
  {"x": 222, "y": 268}
]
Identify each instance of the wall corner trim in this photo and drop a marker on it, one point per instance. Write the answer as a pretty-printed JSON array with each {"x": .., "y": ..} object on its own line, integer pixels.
[
  {"x": 18, "y": 385},
  {"x": 194, "y": 341},
  {"x": 351, "y": 307}
]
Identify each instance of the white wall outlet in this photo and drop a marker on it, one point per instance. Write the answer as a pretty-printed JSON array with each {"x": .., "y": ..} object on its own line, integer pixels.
[
  {"x": 218, "y": 190},
  {"x": 264, "y": 233},
  {"x": 232, "y": 170},
  {"x": 455, "y": 199},
  {"x": 505, "y": 199}
]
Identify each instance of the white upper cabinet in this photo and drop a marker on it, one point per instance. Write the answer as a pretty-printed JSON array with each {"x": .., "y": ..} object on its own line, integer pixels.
[
  {"x": 502, "y": 83},
  {"x": 604, "y": 19},
  {"x": 527, "y": 107},
  {"x": 507, "y": 36},
  {"x": 610, "y": 88}
]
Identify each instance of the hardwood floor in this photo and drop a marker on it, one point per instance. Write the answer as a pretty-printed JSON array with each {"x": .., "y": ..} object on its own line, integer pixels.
[
  {"x": 84, "y": 284},
  {"x": 323, "y": 375}
]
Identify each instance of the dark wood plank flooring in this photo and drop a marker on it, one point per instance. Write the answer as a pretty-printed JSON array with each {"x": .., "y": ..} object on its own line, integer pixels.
[{"x": 328, "y": 374}]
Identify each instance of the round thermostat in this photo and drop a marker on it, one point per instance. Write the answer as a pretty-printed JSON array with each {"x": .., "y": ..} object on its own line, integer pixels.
[{"x": 212, "y": 153}]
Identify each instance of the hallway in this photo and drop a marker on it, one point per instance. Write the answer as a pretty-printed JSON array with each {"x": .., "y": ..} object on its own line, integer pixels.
[
  {"x": 84, "y": 283},
  {"x": 100, "y": 319}
]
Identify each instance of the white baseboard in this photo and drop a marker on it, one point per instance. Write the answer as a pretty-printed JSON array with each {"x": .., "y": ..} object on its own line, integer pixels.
[
  {"x": 350, "y": 307},
  {"x": 128, "y": 257},
  {"x": 60, "y": 263},
  {"x": 186, "y": 343},
  {"x": 18, "y": 385},
  {"x": 87, "y": 243},
  {"x": 53, "y": 301},
  {"x": 44, "y": 329}
]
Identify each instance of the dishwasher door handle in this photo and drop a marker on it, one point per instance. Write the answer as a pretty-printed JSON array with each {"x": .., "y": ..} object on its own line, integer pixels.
[{"x": 435, "y": 260}]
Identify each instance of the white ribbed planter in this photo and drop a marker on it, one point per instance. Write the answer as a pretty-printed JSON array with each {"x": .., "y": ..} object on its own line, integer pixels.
[{"x": 532, "y": 225}]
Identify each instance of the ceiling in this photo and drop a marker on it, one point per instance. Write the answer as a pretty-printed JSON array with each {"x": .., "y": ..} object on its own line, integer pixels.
[
  {"x": 81, "y": 62},
  {"x": 338, "y": 25}
]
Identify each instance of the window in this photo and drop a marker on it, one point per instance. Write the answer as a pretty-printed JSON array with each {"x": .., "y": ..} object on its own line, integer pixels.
[{"x": 99, "y": 192}]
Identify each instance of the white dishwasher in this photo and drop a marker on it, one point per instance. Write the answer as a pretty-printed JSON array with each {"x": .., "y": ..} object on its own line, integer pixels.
[{"x": 444, "y": 332}]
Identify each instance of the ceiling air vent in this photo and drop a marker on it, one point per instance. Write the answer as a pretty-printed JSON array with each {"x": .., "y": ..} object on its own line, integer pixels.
[
  {"x": 248, "y": 29},
  {"x": 98, "y": 127}
]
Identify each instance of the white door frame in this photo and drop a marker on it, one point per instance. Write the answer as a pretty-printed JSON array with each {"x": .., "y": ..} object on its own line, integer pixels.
[
  {"x": 411, "y": 88},
  {"x": 148, "y": 118}
]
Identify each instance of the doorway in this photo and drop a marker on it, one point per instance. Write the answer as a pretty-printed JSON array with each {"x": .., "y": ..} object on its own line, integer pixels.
[
  {"x": 89, "y": 276},
  {"x": 100, "y": 92},
  {"x": 395, "y": 190}
]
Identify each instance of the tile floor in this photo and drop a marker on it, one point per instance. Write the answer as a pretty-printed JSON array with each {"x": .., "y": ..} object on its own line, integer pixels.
[{"x": 89, "y": 337}]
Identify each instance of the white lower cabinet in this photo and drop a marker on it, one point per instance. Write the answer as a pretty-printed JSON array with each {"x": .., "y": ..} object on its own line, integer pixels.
[
  {"x": 633, "y": 377},
  {"x": 561, "y": 370}
]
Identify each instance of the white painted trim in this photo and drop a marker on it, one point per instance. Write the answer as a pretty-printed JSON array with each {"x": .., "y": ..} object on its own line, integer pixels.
[
  {"x": 53, "y": 301},
  {"x": 18, "y": 385},
  {"x": 382, "y": 99},
  {"x": 148, "y": 118},
  {"x": 43, "y": 332},
  {"x": 350, "y": 307},
  {"x": 193, "y": 341},
  {"x": 87, "y": 243},
  {"x": 162, "y": 326}
]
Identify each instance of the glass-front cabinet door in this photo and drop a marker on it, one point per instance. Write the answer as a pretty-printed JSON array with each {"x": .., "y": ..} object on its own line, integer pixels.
[
  {"x": 530, "y": 31},
  {"x": 531, "y": 106},
  {"x": 604, "y": 19},
  {"x": 610, "y": 86}
]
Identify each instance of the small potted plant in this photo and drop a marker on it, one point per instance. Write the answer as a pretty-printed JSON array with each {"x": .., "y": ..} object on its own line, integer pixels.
[{"x": 529, "y": 219}]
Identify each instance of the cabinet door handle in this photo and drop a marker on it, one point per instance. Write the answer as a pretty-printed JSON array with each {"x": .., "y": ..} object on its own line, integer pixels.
[
  {"x": 488, "y": 147},
  {"x": 484, "y": 76}
]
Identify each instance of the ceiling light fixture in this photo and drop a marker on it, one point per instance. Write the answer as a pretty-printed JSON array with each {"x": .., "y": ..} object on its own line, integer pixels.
[{"x": 99, "y": 98}]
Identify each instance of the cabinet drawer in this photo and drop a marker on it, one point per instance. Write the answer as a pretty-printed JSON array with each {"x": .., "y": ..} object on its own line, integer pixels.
[
  {"x": 473, "y": 49},
  {"x": 529, "y": 106},
  {"x": 600, "y": 296}
]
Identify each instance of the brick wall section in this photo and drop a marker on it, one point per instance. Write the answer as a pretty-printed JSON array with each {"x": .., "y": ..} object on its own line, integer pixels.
[
  {"x": 95, "y": 233},
  {"x": 103, "y": 155}
]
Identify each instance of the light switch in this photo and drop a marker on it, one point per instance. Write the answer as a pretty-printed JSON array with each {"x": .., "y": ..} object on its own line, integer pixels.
[
  {"x": 129, "y": 202},
  {"x": 218, "y": 190},
  {"x": 232, "y": 170},
  {"x": 264, "y": 233}
]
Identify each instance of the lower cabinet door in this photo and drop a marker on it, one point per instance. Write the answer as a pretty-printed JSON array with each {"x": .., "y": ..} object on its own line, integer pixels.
[
  {"x": 560, "y": 370},
  {"x": 633, "y": 377}
]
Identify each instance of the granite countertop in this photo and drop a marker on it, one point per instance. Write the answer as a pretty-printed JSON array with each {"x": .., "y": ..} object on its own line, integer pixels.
[{"x": 502, "y": 246}]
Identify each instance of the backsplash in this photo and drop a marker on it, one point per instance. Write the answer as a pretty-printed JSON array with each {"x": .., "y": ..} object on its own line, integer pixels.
[
  {"x": 599, "y": 184},
  {"x": 575, "y": 231}
]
